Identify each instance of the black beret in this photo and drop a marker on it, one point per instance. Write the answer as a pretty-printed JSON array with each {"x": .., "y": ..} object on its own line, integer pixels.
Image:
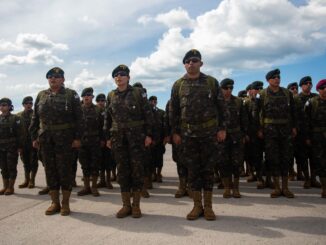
[
  {"x": 120, "y": 68},
  {"x": 27, "y": 99},
  {"x": 257, "y": 85},
  {"x": 248, "y": 87},
  {"x": 242, "y": 94},
  {"x": 227, "y": 82},
  {"x": 272, "y": 73},
  {"x": 57, "y": 71},
  {"x": 304, "y": 80},
  {"x": 290, "y": 85},
  {"x": 190, "y": 54},
  {"x": 152, "y": 98},
  {"x": 6, "y": 101},
  {"x": 100, "y": 97},
  {"x": 138, "y": 85},
  {"x": 87, "y": 91}
]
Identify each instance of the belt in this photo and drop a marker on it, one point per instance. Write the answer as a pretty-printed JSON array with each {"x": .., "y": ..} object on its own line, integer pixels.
[
  {"x": 130, "y": 124},
  {"x": 319, "y": 129},
  {"x": 208, "y": 124},
  {"x": 8, "y": 140},
  {"x": 275, "y": 121},
  {"x": 56, "y": 127},
  {"x": 233, "y": 130}
]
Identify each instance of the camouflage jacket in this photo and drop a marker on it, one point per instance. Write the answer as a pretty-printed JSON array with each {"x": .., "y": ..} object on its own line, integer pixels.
[
  {"x": 93, "y": 120},
  {"x": 158, "y": 126},
  {"x": 10, "y": 132},
  {"x": 315, "y": 117},
  {"x": 25, "y": 119},
  {"x": 300, "y": 101}
]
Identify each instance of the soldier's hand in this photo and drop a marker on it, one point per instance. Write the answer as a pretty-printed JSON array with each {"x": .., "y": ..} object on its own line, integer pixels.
[
  {"x": 109, "y": 144},
  {"x": 148, "y": 141},
  {"x": 221, "y": 135},
  {"x": 176, "y": 139},
  {"x": 294, "y": 132},
  {"x": 260, "y": 134},
  {"x": 308, "y": 142},
  {"x": 35, "y": 144},
  {"x": 76, "y": 144}
]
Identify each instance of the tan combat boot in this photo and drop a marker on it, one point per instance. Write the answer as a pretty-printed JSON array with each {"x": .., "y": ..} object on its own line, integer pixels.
[
  {"x": 182, "y": 189},
  {"x": 102, "y": 180},
  {"x": 144, "y": 191},
  {"x": 323, "y": 186},
  {"x": 126, "y": 208},
  {"x": 26, "y": 181},
  {"x": 135, "y": 208},
  {"x": 5, "y": 186},
  {"x": 65, "y": 209},
  {"x": 31, "y": 183},
  {"x": 94, "y": 190},
  {"x": 227, "y": 191},
  {"x": 285, "y": 190},
  {"x": 55, "y": 205},
  {"x": 277, "y": 189},
  {"x": 10, "y": 190},
  {"x": 208, "y": 210},
  {"x": 44, "y": 191},
  {"x": 108, "y": 180},
  {"x": 198, "y": 209},
  {"x": 86, "y": 189},
  {"x": 236, "y": 192}
]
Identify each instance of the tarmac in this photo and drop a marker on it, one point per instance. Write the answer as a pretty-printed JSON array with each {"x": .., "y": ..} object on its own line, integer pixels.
[{"x": 253, "y": 219}]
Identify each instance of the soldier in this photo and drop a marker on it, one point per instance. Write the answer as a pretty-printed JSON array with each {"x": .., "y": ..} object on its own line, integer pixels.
[
  {"x": 315, "y": 131},
  {"x": 128, "y": 128},
  {"x": 92, "y": 139},
  {"x": 10, "y": 145},
  {"x": 242, "y": 94},
  {"x": 28, "y": 154},
  {"x": 276, "y": 112},
  {"x": 55, "y": 129},
  {"x": 293, "y": 88},
  {"x": 232, "y": 149},
  {"x": 196, "y": 123}
]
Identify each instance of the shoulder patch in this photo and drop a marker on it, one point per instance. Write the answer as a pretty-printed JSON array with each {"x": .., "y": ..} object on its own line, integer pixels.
[{"x": 144, "y": 94}]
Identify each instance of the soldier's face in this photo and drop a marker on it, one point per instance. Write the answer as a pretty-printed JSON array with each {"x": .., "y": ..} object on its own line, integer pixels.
[
  {"x": 322, "y": 92},
  {"x": 4, "y": 108},
  {"x": 153, "y": 102},
  {"x": 121, "y": 80},
  {"x": 306, "y": 87},
  {"x": 28, "y": 106},
  {"x": 87, "y": 100},
  {"x": 55, "y": 82},
  {"x": 275, "y": 81},
  {"x": 193, "y": 65},
  {"x": 227, "y": 92},
  {"x": 101, "y": 103}
]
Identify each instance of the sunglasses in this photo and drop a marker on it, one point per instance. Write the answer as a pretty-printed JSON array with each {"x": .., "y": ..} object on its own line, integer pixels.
[
  {"x": 3, "y": 104},
  {"x": 121, "y": 73},
  {"x": 276, "y": 76},
  {"x": 88, "y": 94},
  {"x": 322, "y": 87},
  {"x": 28, "y": 103},
  {"x": 260, "y": 88},
  {"x": 193, "y": 60},
  {"x": 307, "y": 83},
  {"x": 229, "y": 87},
  {"x": 293, "y": 88},
  {"x": 100, "y": 100},
  {"x": 55, "y": 76}
]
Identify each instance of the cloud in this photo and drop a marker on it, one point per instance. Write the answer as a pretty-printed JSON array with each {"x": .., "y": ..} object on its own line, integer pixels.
[
  {"x": 2, "y": 76},
  {"x": 89, "y": 21}
]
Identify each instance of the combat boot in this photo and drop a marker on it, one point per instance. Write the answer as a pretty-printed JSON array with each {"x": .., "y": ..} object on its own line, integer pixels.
[
  {"x": 314, "y": 182},
  {"x": 102, "y": 180},
  {"x": 269, "y": 183},
  {"x": 323, "y": 186},
  {"x": 181, "y": 192},
  {"x": 65, "y": 209},
  {"x": 55, "y": 205},
  {"x": 10, "y": 190},
  {"x": 108, "y": 180},
  {"x": 135, "y": 208},
  {"x": 300, "y": 175},
  {"x": 154, "y": 176},
  {"x": 208, "y": 210},
  {"x": 189, "y": 191},
  {"x": 31, "y": 183},
  {"x": 159, "y": 175},
  {"x": 26, "y": 181},
  {"x": 5, "y": 186},
  {"x": 236, "y": 192},
  {"x": 292, "y": 174},
  {"x": 149, "y": 183},
  {"x": 44, "y": 191},
  {"x": 285, "y": 190},
  {"x": 220, "y": 185},
  {"x": 94, "y": 189},
  {"x": 251, "y": 178},
  {"x": 86, "y": 189},
  {"x": 277, "y": 189},
  {"x": 114, "y": 175},
  {"x": 306, "y": 183},
  {"x": 260, "y": 183},
  {"x": 144, "y": 192},
  {"x": 126, "y": 208},
  {"x": 227, "y": 191},
  {"x": 198, "y": 209}
]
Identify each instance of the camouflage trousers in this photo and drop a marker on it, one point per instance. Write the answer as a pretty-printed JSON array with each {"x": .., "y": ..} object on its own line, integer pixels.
[
  {"x": 319, "y": 150},
  {"x": 89, "y": 158},
  {"x": 106, "y": 160},
  {"x": 8, "y": 163},
  {"x": 199, "y": 155},
  {"x": 29, "y": 158},
  {"x": 176, "y": 156},
  {"x": 157, "y": 153},
  {"x": 255, "y": 154},
  {"x": 304, "y": 154},
  {"x": 129, "y": 153}
]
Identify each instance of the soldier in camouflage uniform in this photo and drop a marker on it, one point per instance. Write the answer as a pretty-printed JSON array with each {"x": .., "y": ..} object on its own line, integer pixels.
[
  {"x": 55, "y": 129},
  {"x": 128, "y": 128},
  {"x": 196, "y": 122},
  {"x": 92, "y": 139},
  {"x": 277, "y": 120},
  {"x": 315, "y": 131},
  {"x": 231, "y": 151},
  {"x": 10, "y": 145},
  {"x": 29, "y": 153}
]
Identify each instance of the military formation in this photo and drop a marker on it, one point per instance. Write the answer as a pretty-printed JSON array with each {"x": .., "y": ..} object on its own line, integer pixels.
[{"x": 216, "y": 137}]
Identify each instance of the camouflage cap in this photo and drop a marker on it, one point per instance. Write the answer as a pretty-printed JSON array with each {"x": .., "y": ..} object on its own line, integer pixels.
[
  {"x": 249, "y": 87},
  {"x": 191, "y": 54},
  {"x": 227, "y": 82},
  {"x": 27, "y": 99},
  {"x": 257, "y": 85},
  {"x": 272, "y": 73},
  {"x": 100, "y": 97},
  {"x": 152, "y": 98},
  {"x": 6, "y": 101},
  {"x": 242, "y": 94},
  {"x": 55, "y": 71},
  {"x": 304, "y": 80},
  {"x": 321, "y": 84},
  {"x": 87, "y": 92},
  {"x": 294, "y": 84},
  {"x": 120, "y": 68}
]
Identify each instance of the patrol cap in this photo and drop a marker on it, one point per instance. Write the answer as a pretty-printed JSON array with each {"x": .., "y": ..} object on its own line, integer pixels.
[
  {"x": 87, "y": 92},
  {"x": 257, "y": 85},
  {"x": 272, "y": 73},
  {"x": 304, "y": 80},
  {"x": 242, "y": 94},
  {"x": 152, "y": 98},
  {"x": 248, "y": 87},
  {"x": 27, "y": 99},
  {"x": 193, "y": 53},
  {"x": 290, "y": 85},
  {"x": 227, "y": 83},
  {"x": 55, "y": 71},
  {"x": 100, "y": 97},
  {"x": 138, "y": 85},
  {"x": 6, "y": 101},
  {"x": 121, "y": 69},
  {"x": 321, "y": 84}
]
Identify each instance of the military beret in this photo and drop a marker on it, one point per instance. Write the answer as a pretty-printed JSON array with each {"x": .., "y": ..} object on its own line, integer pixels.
[
  {"x": 290, "y": 85},
  {"x": 27, "y": 99},
  {"x": 123, "y": 69},
  {"x": 321, "y": 84},
  {"x": 100, "y": 97},
  {"x": 227, "y": 82},
  {"x": 6, "y": 101},
  {"x": 152, "y": 98},
  {"x": 272, "y": 73},
  {"x": 55, "y": 71},
  {"x": 248, "y": 87},
  {"x": 304, "y": 80},
  {"x": 257, "y": 85},
  {"x": 242, "y": 94},
  {"x": 87, "y": 92},
  {"x": 191, "y": 54},
  {"x": 138, "y": 85}
]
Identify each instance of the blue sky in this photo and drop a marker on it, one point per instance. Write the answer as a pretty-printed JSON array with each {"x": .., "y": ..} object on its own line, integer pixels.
[{"x": 240, "y": 39}]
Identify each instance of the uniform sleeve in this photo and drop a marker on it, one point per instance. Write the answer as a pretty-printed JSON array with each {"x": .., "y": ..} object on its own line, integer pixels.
[
  {"x": 18, "y": 130},
  {"x": 167, "y": 128},
  {"x": 244, "y": 118},
  {"x": 148, "y": 116},
  {"x": 101, "y": 115},
  {"x": 175, "y": 110},
  {"x": 221, "y": 112},
  {"x": 107, "y": 119},
  {"x": 293, "y": 113},
  {"x": 258, "y": 114},
  {"x": 35, "y": 122},
  {"x": 307, "y": 125},
  {"x": 77, "y": 115}
]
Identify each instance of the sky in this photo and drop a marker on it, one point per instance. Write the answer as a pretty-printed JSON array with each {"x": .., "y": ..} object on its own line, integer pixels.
[{"x": 238, "y": 39}]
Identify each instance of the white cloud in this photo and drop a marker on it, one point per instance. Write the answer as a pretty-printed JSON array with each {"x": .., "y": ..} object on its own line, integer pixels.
[
  {"x": 145, "y": 19},
  {"x": 175, "y": 18},
  {"x": 2, "y": 76},
  {"x": 88, "y": 20}
]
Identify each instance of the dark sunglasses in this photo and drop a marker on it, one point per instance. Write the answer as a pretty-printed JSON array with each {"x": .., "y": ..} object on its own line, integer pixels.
[
  {"x": 229, "y": 87},
  {"x": 322, "y": 87},
  {"x": 121, "y": 73},
  {"x": 100, "y": 100},
  {"x": 259, "y": 88},
  {"x": 293, "y": 88},
  {"x": 54, "y": 76},
  {"x": 307, "y": 83},
  {"x": 276, "y": 76},
  {"x": 88, "y": 94},
  {"x": 3, "y": 104},
  {"x": 193, "y": 60},
  {"x": 28, "y": 103}
]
